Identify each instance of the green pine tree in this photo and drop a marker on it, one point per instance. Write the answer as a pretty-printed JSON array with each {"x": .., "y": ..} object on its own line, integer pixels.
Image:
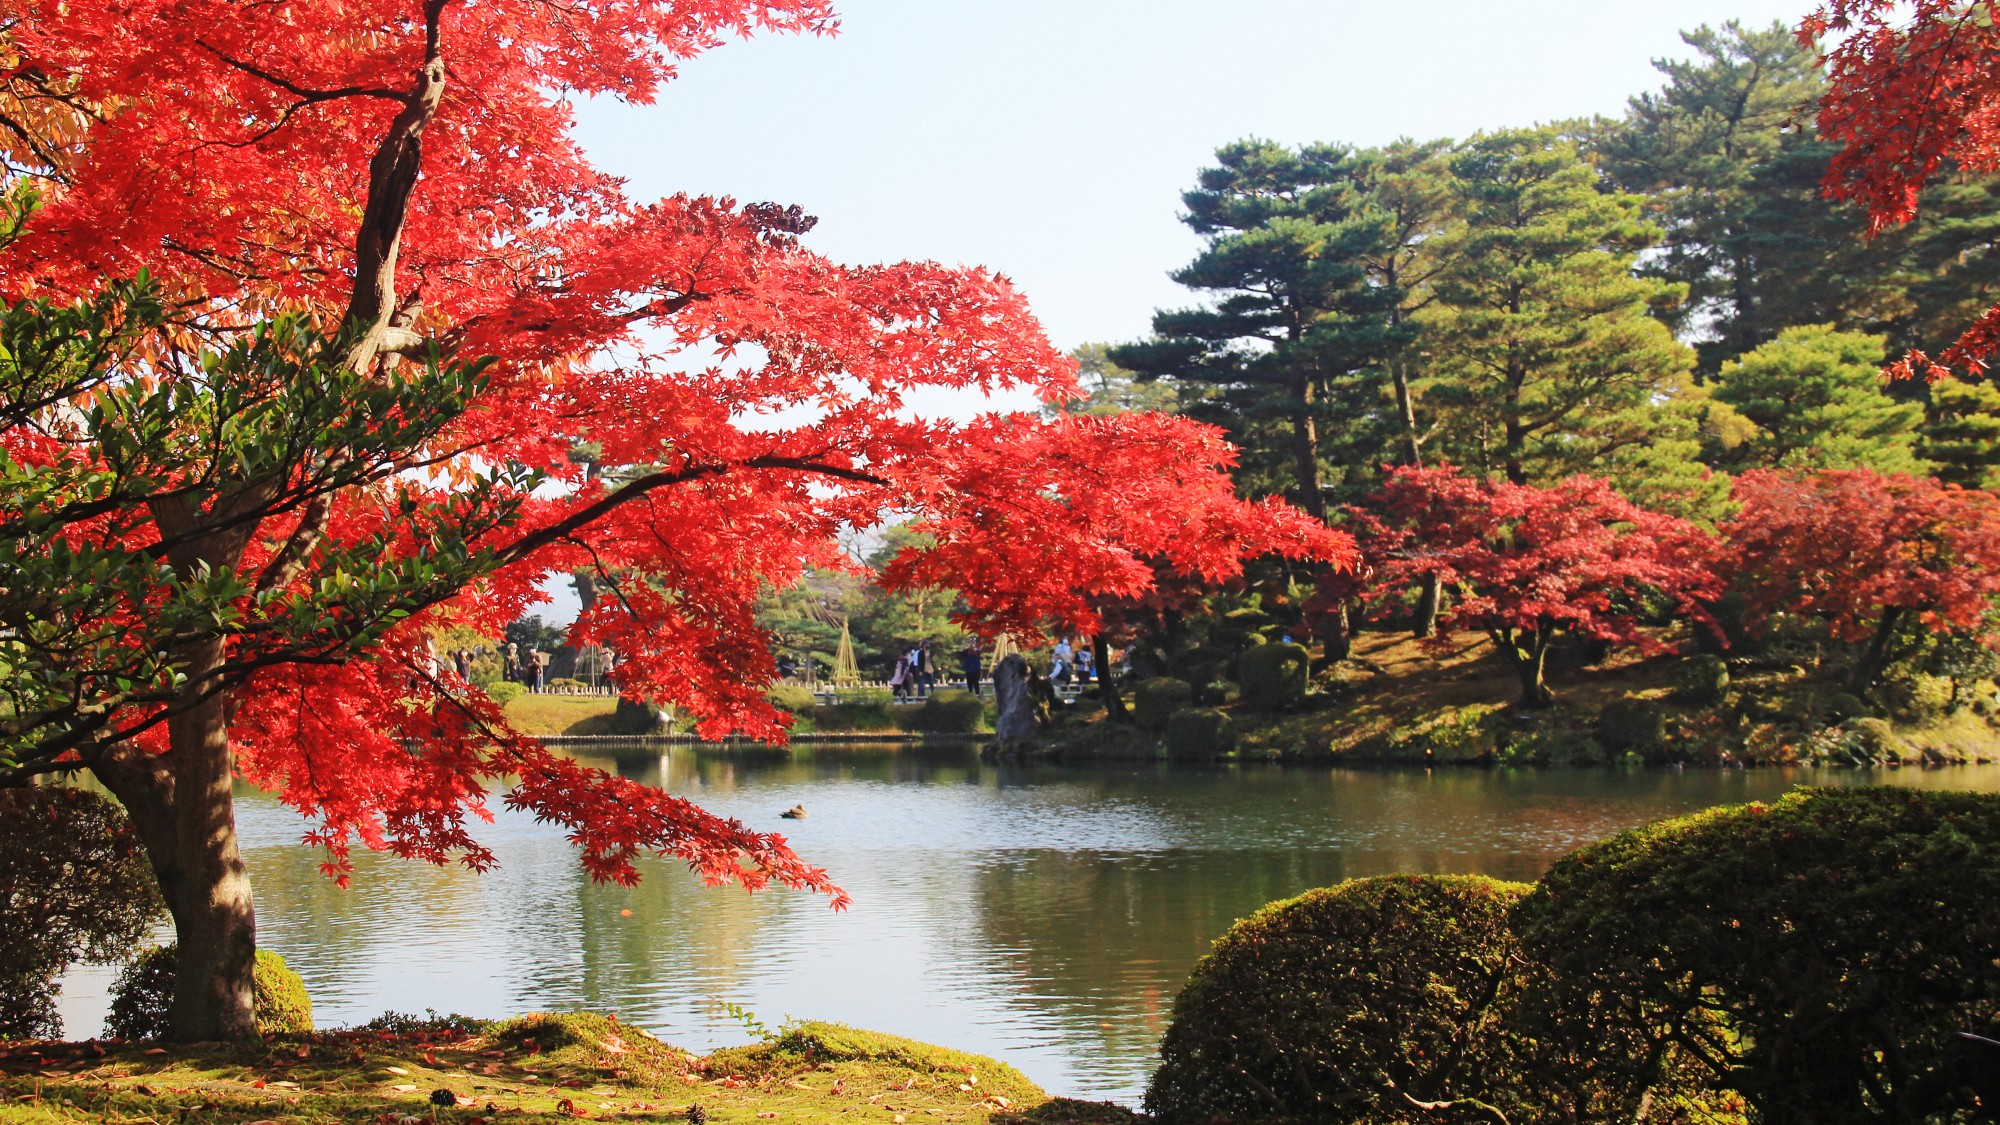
[
  {"x": 1816, "y": 398},
  {"x": 1545, "y": 356},
  {"x": 1961, "y": 433}
]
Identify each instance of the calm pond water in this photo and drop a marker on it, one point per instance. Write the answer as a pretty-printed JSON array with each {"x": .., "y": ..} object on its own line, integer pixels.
[{"x": 1042, "y": 914}]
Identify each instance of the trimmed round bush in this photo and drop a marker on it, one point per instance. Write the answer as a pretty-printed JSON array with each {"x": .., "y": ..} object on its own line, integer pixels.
[
  {"x": 74, "y": 886},
  {"x": 946, "y": 712},
  {"x": 1331, "y": 1006},
  {"x": 144, "y": 993},
  {"x": 1199, "y": 732},
  {"x": 1154, "y": 701},
  {"x": 1701, "y": 678},
  {"x": 1274, "y": 676},
  {"x": 504, "y": 692},
  {"x": 1200, "y": 665},
  {"x": 1823, "y": 950},
  {"x": 1631, "y": 726}
]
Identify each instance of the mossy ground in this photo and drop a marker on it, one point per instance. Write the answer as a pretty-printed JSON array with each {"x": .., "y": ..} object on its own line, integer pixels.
[{"x": 542, "y": 1068}]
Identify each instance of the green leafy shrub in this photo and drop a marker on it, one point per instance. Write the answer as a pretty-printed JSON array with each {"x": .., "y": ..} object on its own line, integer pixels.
[
  {"x": 1822, "y": 951},
  {"x": 1702, "y": 678},
  {"x": 1274, "y": 676},
  {"x": 1456, "y": 734},
  {"x": 74, "y": 886},
  {"x": 504, "y": 692},
  {"x": 145, "y": 991},
  {"x": 1632, "y": 726},
  {"x": 854, "y": 715},
  {"x": 795, "y": 698},
  {"x": 1918, "y": 697},
  {"x": 1199, "y": 732},
  {"x": 566, "y": 684},
  {"x": 1218, "y": 692},
  {"x": 945, "y": 712},
  {"x": 1154, "y": 701},
  {"x": 1331, "y": 1006}
]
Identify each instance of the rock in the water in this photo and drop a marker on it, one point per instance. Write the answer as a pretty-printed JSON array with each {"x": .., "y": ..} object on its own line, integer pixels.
[
  {"x": 1017, "y": 721},
  {"x": 796, "y": 812}
]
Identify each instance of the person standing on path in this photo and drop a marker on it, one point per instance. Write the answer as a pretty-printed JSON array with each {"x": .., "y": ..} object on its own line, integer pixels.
[
  {"x": 926, "y": 668},
  {"x": 900, "y": 677},
  {"x": 541, "y": 660},
  {"x": 968, "y": 663},
  {"x": 510, "y": 663}
]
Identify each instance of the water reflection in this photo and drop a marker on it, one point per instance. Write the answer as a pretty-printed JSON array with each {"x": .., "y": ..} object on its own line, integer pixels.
[{"x": 1041, "y": 913}]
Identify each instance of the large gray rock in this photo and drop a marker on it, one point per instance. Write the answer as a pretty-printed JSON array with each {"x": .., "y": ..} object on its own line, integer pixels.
[{"x": 1017, "y": 721}]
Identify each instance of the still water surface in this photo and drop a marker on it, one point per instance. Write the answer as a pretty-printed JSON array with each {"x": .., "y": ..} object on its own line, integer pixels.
[{"x": 1042, "y": 914}]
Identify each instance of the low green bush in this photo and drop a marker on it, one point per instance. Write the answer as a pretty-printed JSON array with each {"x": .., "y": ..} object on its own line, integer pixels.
[
  {"x": 854, "y": 715},
  {"x": 504, "y": 692},
  {"x": 1154, "y": 701},
  {"x": 1872, "y": 740},
  {"x": 1274, "y": 676},
  {"x": 945, "y": 712},
  {"x": 795, "y": 698},
  {"x": 1632, "y": 726},
  {"x": 1199, "y": 732},
  {"x": 567, "y": 684},
  {"x": 1218, "y": 692},
  {"x": 1918, "y": 697},
  {"x": 74, "y": 886},
  {"x": 1817, "y": 955},
  {"x": 1331, "y": 1006},
  {"x": 144, "y": 993},
  {"x": 1702, "y": 678}
]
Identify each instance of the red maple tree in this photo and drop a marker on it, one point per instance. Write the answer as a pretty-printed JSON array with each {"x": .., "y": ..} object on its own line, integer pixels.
[
  {"x": 1870, "y": 555},
  {"x": 388, "y": 297},
  {"x": 1526, "y": 564},
  {"x": 1912, "y": 89}
]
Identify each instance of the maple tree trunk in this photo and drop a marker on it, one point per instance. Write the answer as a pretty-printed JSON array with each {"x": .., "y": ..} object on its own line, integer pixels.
[
  {"x": 1875, "y": 657},
  {"x": 1529, "y": 654},
  {"x": 1340, "y": 646},
  {"x": 182, "y": 807},
  {"x": 1430, "y": 598},
  {"x": 1107, "y": 681}
]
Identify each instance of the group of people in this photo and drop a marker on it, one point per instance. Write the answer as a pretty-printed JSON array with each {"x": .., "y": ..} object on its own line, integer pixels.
[{"x": 915, "y": 674}]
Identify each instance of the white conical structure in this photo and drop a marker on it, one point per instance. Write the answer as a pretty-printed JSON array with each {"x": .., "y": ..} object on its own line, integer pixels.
[{"x": 1003, "y": 646}]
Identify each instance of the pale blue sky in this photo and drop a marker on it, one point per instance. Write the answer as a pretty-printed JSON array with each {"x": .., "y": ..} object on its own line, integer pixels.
[{"x": 1050, "y": 140}]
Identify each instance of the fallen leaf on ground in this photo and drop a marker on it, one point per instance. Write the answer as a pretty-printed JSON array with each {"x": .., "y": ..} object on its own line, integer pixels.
[{"x": 404, "y": 1087}]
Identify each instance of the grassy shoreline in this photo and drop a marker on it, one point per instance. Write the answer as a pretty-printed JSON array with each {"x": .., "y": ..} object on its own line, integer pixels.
[{"x": 539, "y": 1068}]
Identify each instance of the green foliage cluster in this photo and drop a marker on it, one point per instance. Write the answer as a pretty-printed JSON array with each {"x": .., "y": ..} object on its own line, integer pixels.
[
  {"x": 1332, "y": 1006},
  {"x": 144, "y": 993},
  {"x": 944, "y": 712},
  {"x": 1701, "y": 678},
  {"x": 1274, "y": 677},
  {"x": 504, "y": 692},
  {"x": 1199, "y": 732},
  {"x": 74, "y": 886},
  {"x": 1154, "y": 701},
  {"x": 1807, "y": 961},
  {"x": 1816, "y": 955}
]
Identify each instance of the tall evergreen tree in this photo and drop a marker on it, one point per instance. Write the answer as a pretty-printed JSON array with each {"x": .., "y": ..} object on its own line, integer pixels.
[
  {"x": 1546, "y": 357},
  {"x": 1294, "y": 319},
  {"x": 1961, "y": 433},
  {"x": 1816, "y": 398}
]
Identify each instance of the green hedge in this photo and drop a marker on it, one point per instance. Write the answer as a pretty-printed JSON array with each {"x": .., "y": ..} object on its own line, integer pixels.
[
  {"x": 1822, "y": 951},
  {"x": 1154, "y": 701},
  {"x": 145, "y": 991},
  {"x": 1702, "y": 678},
  {"x": 504, "y": 692},
  {"x": 1273, "y": 677},
  {"x": 1331, "y": 1006}
]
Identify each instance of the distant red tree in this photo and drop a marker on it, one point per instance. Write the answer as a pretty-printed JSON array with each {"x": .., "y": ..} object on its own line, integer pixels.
[
  {"x": 1868, "y": 554},
  {"x": 1912, "y": 89},
  {"x": 1528, "y": 564}
]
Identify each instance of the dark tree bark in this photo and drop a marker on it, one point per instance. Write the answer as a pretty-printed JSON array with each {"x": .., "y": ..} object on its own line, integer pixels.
[{"x": 1107, "y": 681}]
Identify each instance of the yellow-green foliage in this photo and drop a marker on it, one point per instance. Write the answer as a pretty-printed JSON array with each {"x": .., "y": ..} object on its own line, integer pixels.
[{"x": 282, "y": 1004}]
